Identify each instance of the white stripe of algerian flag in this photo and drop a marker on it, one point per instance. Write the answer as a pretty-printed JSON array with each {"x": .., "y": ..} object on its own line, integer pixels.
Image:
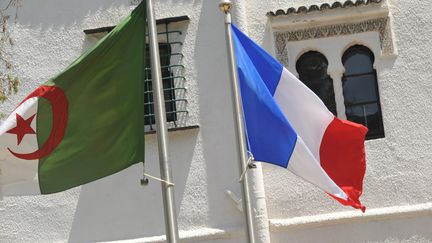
[{"x": 18, "y": 176}]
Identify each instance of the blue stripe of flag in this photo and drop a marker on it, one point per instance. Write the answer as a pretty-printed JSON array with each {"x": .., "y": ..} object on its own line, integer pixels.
[
  {"x": 268, "y": 67},
  {"x": 271, "y": 137}
]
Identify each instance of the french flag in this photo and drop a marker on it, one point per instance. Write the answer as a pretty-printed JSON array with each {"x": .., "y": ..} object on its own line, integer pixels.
[{"x": 288, "y": 125}]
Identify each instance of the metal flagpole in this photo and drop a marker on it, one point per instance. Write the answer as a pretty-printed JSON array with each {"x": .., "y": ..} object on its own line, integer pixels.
[
  {"x": 225, "y": 6},
  {"x": 171, "y": 228}
]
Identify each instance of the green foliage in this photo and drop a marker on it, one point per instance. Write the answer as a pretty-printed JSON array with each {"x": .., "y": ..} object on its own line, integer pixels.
[{"x": 8, "y": 83}]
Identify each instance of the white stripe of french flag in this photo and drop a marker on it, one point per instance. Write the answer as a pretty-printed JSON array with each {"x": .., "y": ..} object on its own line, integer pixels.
[{"x": 288, "y": 125}]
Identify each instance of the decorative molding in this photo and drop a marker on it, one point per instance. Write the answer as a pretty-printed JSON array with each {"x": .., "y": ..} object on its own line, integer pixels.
[
  {"x": 283, "y": 225},
  {"x": 281, "y": 50},
  {"x": 322, "y": 7},
  {"x": 380, "y": 25},
  {"x": 201, "y": 234},
  {"x": 388, "y": 213}
]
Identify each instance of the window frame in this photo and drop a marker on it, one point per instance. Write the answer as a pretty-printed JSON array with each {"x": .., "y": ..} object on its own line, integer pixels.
[
  {"x": 331, "y": 29},
  {"x": 381, "y": 132}
]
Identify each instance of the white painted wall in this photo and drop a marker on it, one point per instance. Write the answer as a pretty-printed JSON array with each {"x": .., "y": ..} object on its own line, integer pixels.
[{"x": 48, "y": 36}]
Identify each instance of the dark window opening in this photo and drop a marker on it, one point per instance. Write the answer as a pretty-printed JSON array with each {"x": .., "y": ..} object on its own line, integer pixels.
[
  {"x": 360, "y": 89},
  {"x": 312, "y": 69},
  {"x": 168, "y": 86}
]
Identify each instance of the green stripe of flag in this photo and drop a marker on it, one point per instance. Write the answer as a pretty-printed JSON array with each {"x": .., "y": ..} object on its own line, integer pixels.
[{"x": 105, "y": 128}]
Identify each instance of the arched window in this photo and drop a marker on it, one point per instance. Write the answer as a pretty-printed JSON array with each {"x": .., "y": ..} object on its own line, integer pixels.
[
  {"x": 360, "y": 89},
  {"x": 312, "y": 70}
]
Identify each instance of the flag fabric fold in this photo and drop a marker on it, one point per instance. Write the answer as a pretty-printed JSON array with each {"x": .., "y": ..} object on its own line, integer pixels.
[
  {"x": 84, "y": 124},
  {"x": 289, "y": 126}
]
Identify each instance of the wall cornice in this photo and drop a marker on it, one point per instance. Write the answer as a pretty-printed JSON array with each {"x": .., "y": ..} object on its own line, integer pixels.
[
  {"x": 380, "y": 25},
  {"x": 388, "y": 213}
]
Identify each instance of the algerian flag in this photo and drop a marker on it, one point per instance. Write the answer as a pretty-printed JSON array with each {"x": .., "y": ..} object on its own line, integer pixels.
[{"x": 84, "y": 124}]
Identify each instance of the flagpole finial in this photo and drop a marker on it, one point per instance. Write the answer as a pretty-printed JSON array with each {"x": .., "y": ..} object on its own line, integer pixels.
[{"x": 225, "y": 6}]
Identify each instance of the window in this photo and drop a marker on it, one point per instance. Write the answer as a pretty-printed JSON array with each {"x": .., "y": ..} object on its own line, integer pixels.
[
  {"x": 170, "y": 39},
  {"x": 168, "y": 86},
  {"x": 353, "y": 43},
  {"x": 172, "y": 75},
  {"x": 360, "y": 89},
  {"x": 312, "y": 70}
]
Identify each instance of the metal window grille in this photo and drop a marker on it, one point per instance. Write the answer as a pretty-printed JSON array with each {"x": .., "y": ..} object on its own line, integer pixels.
[
  {"x": 170, "y": 45},
  {"x": 172, "y": 78}
]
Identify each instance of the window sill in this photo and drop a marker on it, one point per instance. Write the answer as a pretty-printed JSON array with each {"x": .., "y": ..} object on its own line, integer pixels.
[{"x": 174, "y": 129}]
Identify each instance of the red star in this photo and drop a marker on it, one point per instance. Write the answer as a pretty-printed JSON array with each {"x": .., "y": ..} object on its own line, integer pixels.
[{"x": 22, "y": 128}]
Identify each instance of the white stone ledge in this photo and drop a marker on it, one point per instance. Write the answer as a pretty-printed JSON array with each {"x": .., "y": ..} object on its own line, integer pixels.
[
  {"x": 281, "y": 225},
  {"x": 191, "y": 235}
]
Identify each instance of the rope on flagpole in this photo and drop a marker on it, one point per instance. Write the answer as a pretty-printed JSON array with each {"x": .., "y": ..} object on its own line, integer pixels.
[
  {"x": 251, "y": 159},
  {"x": 159, "y": 179},
  {"x": 145, "y": 180},
  {"x": 250, "y": 165}
]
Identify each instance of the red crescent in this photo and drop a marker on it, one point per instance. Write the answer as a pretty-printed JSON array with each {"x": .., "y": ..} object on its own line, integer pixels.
[{"x": 59, "y": 106}]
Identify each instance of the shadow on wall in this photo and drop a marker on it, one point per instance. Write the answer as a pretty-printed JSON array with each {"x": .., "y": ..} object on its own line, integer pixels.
[
  {"x": 216, "y": 117},
  {"x": 118, "y": 207}
]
